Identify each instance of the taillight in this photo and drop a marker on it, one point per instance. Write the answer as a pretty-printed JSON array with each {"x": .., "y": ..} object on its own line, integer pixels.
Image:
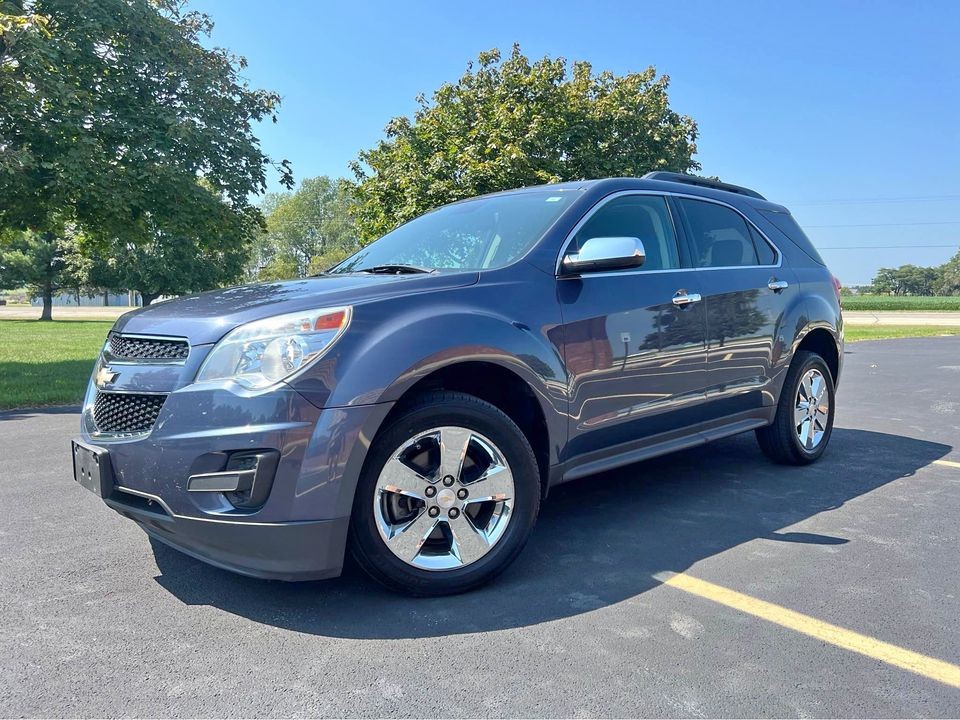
[{"x": 836, "y": 286}]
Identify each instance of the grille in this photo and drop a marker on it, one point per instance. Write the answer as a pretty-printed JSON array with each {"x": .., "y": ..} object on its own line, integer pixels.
[
  {"x": 123, "y": 346},
  {"x": 126, "y": 412}
]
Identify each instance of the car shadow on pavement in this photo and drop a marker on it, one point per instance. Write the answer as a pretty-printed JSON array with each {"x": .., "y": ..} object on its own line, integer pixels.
[{"x": 599, "y": 541}]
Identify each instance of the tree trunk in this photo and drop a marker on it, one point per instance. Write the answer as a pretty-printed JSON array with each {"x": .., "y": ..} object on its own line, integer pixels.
[
  {"x": 47, "y": 313},
  {"x": 147, "y": 298},
  {"x": 106, "y": 298}
]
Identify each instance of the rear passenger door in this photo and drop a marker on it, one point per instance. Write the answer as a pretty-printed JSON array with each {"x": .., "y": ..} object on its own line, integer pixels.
[{"x": 745, "y": 292}]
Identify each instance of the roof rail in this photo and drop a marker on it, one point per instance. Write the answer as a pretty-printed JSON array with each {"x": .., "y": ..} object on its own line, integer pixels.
[{"x": 701, "y": 182}]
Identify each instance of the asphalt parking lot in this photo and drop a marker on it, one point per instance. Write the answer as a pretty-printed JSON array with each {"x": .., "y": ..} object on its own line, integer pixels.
[{"x": 97, "y": 621}]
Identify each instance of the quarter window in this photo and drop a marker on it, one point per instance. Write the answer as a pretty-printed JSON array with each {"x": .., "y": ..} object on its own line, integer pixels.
[
  {"x": 720, "y": 236},
  {"x": 765, "y": 252},
  {"x": 645, "y": 217}
]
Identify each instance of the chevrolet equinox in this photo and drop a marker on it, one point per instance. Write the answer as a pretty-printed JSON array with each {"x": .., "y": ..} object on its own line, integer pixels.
[{"x": 416, "y": 402}]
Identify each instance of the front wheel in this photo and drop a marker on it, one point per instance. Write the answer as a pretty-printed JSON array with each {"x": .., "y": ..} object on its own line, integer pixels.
[
  {"x": 447, "y": 498},
  {"x": 804, "y": 421}
]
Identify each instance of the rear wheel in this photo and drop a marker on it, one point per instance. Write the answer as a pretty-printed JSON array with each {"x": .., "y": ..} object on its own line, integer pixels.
[
  {"x": 804, "y": 420},
  {"x": 447, "y": 498}
]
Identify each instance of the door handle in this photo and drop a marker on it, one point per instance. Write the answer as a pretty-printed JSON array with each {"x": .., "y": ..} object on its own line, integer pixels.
[
  {"x": 684, "y": 298},
  {"x": 777, "y": 285}
]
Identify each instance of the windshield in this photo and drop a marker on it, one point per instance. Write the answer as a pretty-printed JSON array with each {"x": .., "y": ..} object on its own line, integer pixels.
[{"x": 477, "y": 234}]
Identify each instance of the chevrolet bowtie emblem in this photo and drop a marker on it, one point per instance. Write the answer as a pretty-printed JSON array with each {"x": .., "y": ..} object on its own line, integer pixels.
[{"x": 105, "y": 376}]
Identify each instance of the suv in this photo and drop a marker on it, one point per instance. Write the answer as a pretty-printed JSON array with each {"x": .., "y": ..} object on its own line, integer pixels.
[{"x": 419, "y": 400}]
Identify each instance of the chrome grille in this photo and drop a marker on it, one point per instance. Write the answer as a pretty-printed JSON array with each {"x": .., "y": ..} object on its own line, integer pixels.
[
  {"x": 126, "y": 412},
  {"x": 142, "y": 348}
]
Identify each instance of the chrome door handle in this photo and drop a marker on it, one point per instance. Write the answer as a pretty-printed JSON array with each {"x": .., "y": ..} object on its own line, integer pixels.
[
  {"x": 778, "y": 285},
  {"x": 683, "y": 298}
]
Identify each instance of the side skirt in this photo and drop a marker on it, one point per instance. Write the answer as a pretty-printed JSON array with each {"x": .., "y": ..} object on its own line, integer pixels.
[{"x": 647, "y": 448}]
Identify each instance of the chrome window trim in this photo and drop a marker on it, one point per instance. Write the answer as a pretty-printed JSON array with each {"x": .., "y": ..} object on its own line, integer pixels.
[{"x": 659, "y": 193}]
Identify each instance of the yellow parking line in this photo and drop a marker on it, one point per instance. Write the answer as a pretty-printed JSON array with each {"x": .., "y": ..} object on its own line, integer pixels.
[
  {"x": 947, "y": 463},
  {"x": 929, "y": 667}
]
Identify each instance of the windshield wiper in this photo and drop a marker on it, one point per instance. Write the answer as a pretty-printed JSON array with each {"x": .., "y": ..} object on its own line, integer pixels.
[{"x": 395, "y": 269}]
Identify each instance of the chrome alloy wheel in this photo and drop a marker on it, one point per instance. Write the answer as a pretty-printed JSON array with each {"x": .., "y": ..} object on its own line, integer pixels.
[
  {"x": 444, "y": 498},
  {"x": 812, "y": 410}
]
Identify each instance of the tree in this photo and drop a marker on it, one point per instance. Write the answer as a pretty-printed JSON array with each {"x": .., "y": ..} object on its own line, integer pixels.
[
  {"x": 513, "y": 123},
  {"x": 948, "y": 282},
  {"x": 179, "y": 258},
  {"x": 35, "y": 260},
  {"x": 307, "y": 230},
  {"x": 906, "y": 280},
  {"x": 110, "y": 112}
]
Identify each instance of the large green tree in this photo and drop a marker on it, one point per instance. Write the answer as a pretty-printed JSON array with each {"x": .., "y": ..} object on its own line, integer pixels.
[
  {"x": 907, "y": 280},
  {"x": 948, "y": 282},
  {"x": 307, "y": 230},
  {"x": 109, "y": 113},
  {"x": 512, "y": 122},
  {"x": 176, "y": 258}
]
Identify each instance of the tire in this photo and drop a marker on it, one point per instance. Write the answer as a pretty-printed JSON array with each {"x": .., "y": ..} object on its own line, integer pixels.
[
  {"x": 781, "y": 440},
  {"x": 444, "y": 554}
]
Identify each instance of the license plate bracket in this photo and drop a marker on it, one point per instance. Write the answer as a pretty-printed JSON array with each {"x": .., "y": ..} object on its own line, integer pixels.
[{"x": 92, "y": 469}]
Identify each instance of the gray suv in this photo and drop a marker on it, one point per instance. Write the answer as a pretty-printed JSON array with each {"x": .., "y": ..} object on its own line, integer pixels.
[{"x": 417, "y": 402}]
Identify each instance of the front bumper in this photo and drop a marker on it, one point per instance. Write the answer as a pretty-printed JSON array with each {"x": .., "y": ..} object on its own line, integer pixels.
[
  {"x": 276, "y": 551},
  {"x": 299, "y": 532}
]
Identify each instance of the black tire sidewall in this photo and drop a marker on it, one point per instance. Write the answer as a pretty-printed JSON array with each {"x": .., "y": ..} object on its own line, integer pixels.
[{"x": 368, "y": 546}]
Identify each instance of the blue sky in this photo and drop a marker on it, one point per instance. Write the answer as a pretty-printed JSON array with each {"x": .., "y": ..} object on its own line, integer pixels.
[{"x": 816, "y": 105}]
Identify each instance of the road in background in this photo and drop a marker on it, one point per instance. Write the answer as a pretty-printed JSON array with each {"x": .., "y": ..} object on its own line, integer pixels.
[
  {"x": 66, "y": 312},
  {"x": 901, "y": 317},
  {"x": 97, "y": 620}
]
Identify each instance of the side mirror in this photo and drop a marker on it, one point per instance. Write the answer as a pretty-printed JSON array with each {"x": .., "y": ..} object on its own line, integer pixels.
[{"x": 605, "y": 253}]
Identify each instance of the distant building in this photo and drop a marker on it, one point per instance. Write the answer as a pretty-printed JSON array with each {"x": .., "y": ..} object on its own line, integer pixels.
[{"x": 66, "y": 299}]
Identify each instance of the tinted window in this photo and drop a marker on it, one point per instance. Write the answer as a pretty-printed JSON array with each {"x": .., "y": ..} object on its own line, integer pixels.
[
  {"x": 720, "y": 236},
  {"x": 766, "y": 254},
  {"x": 640, "y": 216},
  {"x": 785, "y": 223},
  {"x": 488, "y": 232}
]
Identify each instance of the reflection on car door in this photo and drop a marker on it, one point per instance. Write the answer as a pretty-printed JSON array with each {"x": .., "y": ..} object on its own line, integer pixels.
[
  {"x": 745, "y": 292},
  {"x": 635, "y": 357}
]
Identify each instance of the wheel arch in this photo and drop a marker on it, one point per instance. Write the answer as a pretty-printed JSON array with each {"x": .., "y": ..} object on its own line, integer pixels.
[{"x": 500, "y": 385}]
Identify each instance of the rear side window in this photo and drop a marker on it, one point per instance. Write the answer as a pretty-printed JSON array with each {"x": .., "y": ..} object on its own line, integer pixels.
[
  {"x": 640, "y": 216},
  {"x": 766, "y": 254},
  {"x": 720, "y": 236},
  {"x": 785, "y": 223}
]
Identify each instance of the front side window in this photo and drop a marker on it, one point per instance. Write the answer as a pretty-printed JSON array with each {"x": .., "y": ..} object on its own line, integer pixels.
[
  {"x": 719, "y": 236},
  {"x": 645, "y": 217},
  {"x": 488, "y": 232}
]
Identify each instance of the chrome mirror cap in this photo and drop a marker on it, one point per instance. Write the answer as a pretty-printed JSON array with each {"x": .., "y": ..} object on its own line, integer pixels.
[{"x": 605, "y": 253}]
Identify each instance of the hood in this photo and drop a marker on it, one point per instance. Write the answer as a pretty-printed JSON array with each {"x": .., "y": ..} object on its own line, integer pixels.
[{"x": 207, "y": 317}]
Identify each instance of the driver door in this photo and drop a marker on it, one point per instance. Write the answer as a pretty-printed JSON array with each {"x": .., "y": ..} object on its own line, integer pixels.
[{"x": 634, "y": 341}]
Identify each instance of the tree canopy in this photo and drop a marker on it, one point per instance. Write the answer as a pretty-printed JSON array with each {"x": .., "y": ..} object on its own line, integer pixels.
[
  {"x": 512, "y": 122},
  {"x": 916, "y": 280},
  {"x": 110, "y": 112},
  {"x": 307, "y": 231}
]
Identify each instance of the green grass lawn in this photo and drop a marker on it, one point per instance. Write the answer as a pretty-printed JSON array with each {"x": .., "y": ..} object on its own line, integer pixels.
[
  {"x": 853, "y": 333},
  {"x": 47, "y": 363},
  {"x": 888, "y": 302}
]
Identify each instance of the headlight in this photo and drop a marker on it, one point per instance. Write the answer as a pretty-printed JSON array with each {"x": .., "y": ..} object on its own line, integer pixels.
[{"x": 264, "y": 352}]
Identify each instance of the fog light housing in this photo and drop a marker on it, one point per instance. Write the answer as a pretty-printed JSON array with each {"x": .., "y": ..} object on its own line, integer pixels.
[
  {"x": 245, "y": 482},
  {"x": 260, "y": 466}
]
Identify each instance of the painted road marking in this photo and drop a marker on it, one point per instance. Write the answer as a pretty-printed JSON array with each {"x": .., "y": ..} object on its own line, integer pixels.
[
  {"x": 929, "y": 667},
  {"x": 947, "y": 463}
]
